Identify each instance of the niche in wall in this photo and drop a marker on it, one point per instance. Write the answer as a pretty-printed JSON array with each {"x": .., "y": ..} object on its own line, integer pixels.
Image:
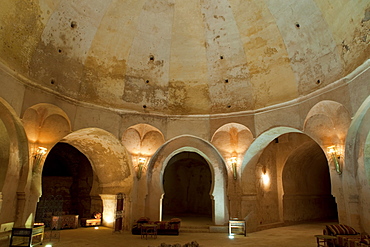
[
  {"x": 187, "y": 183},
  {"x": 307, "y": 187},
  {"x": 66, "y": 184}
]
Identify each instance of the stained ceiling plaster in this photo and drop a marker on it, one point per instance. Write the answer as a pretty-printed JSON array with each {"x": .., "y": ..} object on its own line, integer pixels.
[{"x": 184, "y": 57}]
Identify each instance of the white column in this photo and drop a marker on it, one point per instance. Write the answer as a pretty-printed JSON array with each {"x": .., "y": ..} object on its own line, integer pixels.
[{"x": 109, "y": 209}]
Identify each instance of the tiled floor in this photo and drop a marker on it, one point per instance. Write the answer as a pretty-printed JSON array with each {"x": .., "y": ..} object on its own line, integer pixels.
[{"x": 294, "y": 236}]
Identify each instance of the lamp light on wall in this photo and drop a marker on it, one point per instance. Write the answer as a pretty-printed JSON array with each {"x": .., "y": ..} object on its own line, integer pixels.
[
  {"x": 265, "y": 177},
  {"x": 233, "y": 161},
  {"x": 335, "y": 156},
  {"x": 39, "y": 154},
  {"x": 140, "y": 165}
]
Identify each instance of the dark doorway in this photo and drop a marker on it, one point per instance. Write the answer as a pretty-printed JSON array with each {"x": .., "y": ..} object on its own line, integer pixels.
[
  {"x": 307, "y": 186},
  {"x": 187, "y": 183},
  {"x": 66, "y": 184}
]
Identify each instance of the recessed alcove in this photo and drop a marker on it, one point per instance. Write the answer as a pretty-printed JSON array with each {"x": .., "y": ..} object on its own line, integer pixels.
[
  {"x": 187, "y": 184},
  {"x": 67, "y": 180}
]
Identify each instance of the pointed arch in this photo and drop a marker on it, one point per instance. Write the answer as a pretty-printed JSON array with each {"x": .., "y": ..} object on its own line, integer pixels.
[
  {"x": 14, "y": 167},
  {"x": 108, "y": 158},
  {"x": 357, "y": 165},
  {"x": 256, "y": 148},
  {"x": 215, "y": 161},
  {"x": 327, "y": 123}
]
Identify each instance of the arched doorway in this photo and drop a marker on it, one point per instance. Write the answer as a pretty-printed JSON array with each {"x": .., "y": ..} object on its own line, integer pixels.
[
  {"x": 67, "y": 180},
  {"x": 158, "y": 163},
  {"x": 307, "y": 186},
  {"x": 187, "y": 182}
]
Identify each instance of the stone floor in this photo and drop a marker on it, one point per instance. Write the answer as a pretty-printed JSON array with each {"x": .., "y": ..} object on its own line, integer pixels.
[{"x": 301, "y": 235}]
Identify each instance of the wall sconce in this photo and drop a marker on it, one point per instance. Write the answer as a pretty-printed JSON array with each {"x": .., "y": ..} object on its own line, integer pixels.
[
  {"x": 140, "y": 165},
  {"x": 265, "y": 177},
  {"x": 39, "y": 154},
  {"x": 332, "y": 150},
  {"x": 233, "y": 161}
]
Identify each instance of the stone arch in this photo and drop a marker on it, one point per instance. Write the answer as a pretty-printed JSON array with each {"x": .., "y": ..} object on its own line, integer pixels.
[
  {"x": 45, "y": 124},
  {"x": 232, "y": 140},
  {"x": 111, "y": 166},
  {"x": 306, "y": 181},
  {"x": 367, "y": 159},
  {"x": 253, "y": 153},
  {"x": 160, "y": 160},
  {"x": 327, "y": 123},
  {"x": 108, "y": 158},
  {"x": 356, "y": 141},
  {"x": 142, "y": 141},
  {"x": 357, "y": 168},
  {"x": 268, "y": 155},
  {"x": 14, "y": 165}
]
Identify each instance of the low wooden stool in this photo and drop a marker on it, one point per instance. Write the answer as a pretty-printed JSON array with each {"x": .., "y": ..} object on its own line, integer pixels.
[
  {"x": 323, "y": 240},
  {"x": 148, "y": 229}
]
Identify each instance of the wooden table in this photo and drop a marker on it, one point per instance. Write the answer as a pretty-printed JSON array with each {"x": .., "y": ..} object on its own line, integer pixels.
[
  {"x": 323, "y": 240},
  {"x": 148, "y": 229}
]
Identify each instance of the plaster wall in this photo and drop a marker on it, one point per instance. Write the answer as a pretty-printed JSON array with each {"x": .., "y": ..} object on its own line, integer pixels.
[{"x": 238, "y": 198}]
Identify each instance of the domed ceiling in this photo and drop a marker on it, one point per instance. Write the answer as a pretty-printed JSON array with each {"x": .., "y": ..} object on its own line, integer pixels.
[{"x": 183, "y": 57}]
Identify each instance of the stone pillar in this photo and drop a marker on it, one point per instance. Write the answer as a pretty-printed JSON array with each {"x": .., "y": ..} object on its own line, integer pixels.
[
  {"x": 20, "y": 220},
  {"x": 109, "y": 209}
]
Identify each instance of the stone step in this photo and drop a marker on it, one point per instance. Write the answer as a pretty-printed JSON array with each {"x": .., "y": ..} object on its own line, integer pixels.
[
  {"x": 195, "y": 226},
  {"x": 194, "y": 229},
  {"x": 204, "y": 229}
]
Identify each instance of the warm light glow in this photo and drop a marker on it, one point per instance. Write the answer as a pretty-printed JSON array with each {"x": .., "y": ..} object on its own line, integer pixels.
[
  {"x": 265, "y": 179},
  {"x": 141, "y": 160},
  {"x": 48, "y": 245},
  {"x": 332, "y": 150},
  {"x": 96, "y": 228},
  {"x": 231, "y": 236},
  {"x": 109, "y": 219},
  {"x": 233, "y": 160},
  {"x": 40, "y": 151},
  {"x": 38, "y": 155}
]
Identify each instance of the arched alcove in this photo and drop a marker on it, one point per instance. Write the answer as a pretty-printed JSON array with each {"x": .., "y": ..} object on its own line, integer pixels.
[
  {"x": 357, "y": 167},
  {"x": 159, "y": 161},
  {"x": 263, "y": 180},
  {"x": 4, "y": 153},
  {"x": 306, "y": 185},
  {"x": 254, "y": 152},
  {"x": 112, "y": 167},
  {"x": 14, "y": 167},
  {"x": 187, "y": 184},
  {"x": 67, "y": 180}
]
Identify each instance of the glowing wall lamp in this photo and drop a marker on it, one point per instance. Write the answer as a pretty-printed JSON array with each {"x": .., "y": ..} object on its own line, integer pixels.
[
  {"x": 140, "y": 165},
  {"x": 39, "y": 154},
  {"x": 332, "y": 151},
  {"x": 233, "y": 161},
  {"x": 265, "y": 177}
]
